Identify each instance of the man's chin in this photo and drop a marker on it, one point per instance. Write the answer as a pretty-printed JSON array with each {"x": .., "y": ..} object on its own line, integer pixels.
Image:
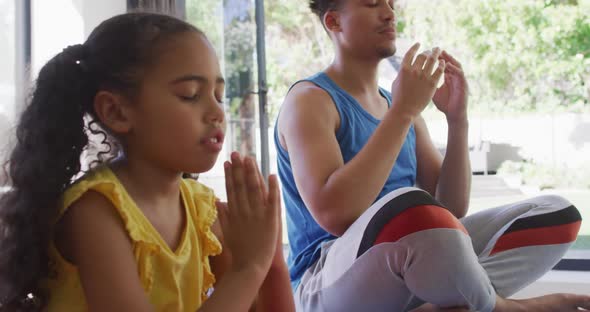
[{"x": 385, "y": 52}]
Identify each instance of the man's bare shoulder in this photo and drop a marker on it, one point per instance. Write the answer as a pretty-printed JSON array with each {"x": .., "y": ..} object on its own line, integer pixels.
[
  {"x": 306, "y": 91},
  {"x": 307, "y": 107},
  {"x": 306, "y": 98}
]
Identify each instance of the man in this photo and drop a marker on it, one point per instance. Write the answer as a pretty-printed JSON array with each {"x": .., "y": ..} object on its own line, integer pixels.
[{"x": 362, "y": 237}]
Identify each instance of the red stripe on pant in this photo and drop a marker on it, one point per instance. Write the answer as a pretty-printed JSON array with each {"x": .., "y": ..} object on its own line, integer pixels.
[
  {"x": 418, "y": 219},
  {"x": 550, "y": 235}
]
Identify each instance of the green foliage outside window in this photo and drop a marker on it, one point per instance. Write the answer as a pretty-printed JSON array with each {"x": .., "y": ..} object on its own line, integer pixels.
[{"x": 520, "y": 56}]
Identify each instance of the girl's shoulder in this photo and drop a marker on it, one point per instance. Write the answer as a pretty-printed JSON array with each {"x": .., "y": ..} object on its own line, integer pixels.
[{"x": 101, "y": 180}]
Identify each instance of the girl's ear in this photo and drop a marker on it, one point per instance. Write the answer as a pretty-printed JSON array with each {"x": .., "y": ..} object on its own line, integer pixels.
[
  {"x": 332, "y": 21},
  {"x": 113, "y": 110}
]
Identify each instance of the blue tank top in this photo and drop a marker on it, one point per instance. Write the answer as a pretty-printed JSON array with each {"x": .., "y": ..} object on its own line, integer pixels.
[{"x": 356, "y": 126}]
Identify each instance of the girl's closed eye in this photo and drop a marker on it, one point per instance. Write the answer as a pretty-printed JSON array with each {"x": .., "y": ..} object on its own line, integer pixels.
[
  {"x": 187, "y": 91},
  {"x": 372, "y": 3},
  {"x": 219, "y": 99},
  {"x": 190, "y": 97}
]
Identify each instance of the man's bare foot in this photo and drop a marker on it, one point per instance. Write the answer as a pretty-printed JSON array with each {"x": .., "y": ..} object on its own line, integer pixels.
[
  {"x": 548, "y": 303},
  {"x": 432, "y": 308}
]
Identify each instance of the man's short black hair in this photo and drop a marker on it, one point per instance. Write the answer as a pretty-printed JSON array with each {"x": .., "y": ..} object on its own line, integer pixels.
[{"x": 320, "y": 7}]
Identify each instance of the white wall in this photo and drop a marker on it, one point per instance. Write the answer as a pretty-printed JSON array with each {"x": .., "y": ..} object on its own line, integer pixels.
[
  {"x": 562, "y": 139},
  {"x": 60, "y": 23},
  {"x": 95, "y": 12},
  {"x": 7, "y": 63}
]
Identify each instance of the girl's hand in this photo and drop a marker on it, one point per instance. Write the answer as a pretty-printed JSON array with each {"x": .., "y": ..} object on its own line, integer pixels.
[
  {"x": 278, "y": 258},
  {"x": 250, "y": 223}
]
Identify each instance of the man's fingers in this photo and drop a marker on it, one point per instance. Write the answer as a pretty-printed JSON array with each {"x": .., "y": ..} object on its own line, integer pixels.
[
  {"x": 452, "y": 68},
  {"x": 581, "y": 301},
  {"x": 420, "y": 61},
  {"x": 439, "y": 71},
  {"x": 431, "y": 61},
  {"x": 450, "y": 59},
  {"x": 408, "y": 59}
]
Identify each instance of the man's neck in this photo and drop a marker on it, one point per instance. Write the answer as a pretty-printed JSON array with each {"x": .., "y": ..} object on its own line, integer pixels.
[{"x": 355, "y": 75}]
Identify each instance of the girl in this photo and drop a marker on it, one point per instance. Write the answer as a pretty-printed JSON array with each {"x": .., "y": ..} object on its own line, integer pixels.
[{"x": 131, "y": 234}]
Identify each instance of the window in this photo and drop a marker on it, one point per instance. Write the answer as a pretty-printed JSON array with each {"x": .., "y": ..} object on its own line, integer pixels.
[
  {"x": 547, "y": 157},
  {"x": 529, "y": 98},
  {"x": 8, "y": 72},
  {"x": 230, "y": 26}
]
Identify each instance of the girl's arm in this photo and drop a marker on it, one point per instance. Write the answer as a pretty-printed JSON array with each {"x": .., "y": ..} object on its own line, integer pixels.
[
  {"x": 276, "y": 293},
  {"x": 274, "y": 290},
  {"x": 248, "y": 226},
  {"x": 233, "y": 291},
  {"x": 92, "y": 236}
]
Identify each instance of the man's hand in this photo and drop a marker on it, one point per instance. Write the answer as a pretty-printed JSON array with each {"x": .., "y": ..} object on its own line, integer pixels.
[
  {"x": 451, "y": 97},
  {"x": 416, "y": 81}
]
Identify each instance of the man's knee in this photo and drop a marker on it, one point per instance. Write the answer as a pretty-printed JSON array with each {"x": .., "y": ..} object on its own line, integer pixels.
[
  {"x": 412, "y": 212},
  {"x": 556, "y": 201},
  {"x": 555, "y": 222}
]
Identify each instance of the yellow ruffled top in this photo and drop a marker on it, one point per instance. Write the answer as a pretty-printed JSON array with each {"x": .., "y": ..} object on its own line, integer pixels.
[{"x": 173, "y": 280}]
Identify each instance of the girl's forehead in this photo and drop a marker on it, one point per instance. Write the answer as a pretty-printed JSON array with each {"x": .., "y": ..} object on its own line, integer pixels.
[{"x": 190, "y": 52}]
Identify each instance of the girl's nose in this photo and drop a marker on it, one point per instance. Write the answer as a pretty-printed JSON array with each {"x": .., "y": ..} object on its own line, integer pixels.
[{"x": 216, "y": 113}]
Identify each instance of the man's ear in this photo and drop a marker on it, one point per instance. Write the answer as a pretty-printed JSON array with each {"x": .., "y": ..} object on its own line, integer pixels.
[
  {"x": 332, "y": 21},
  {"x": 113, "y": 111}
]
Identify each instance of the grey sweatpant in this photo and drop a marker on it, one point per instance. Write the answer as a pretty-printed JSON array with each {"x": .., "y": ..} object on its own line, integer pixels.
[{"x": 407, "y": 249}]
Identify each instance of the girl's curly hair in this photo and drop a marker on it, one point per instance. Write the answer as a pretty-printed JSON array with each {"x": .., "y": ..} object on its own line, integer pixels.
[{"x": 51, "y": 136}]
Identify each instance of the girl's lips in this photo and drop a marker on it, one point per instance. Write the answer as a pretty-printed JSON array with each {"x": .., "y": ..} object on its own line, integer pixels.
[{"x": 214, "y": 141}]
